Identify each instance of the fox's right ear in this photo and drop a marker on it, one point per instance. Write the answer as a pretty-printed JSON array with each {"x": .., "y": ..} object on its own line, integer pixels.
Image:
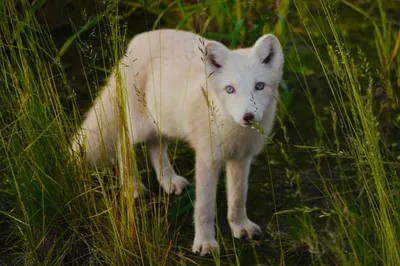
[{"x": 216, "y": 55}]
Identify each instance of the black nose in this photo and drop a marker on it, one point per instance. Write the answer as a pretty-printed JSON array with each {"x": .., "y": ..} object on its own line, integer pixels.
[{"x": 248, "y": 117}]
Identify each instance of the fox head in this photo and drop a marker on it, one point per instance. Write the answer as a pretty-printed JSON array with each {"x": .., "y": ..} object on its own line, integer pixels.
[{"x": 246, "y": 80}]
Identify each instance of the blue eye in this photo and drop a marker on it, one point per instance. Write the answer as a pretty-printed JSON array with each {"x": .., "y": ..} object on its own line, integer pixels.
[
  {"x": 229, "y": 89},
  {"x": 260, "y": 86}
]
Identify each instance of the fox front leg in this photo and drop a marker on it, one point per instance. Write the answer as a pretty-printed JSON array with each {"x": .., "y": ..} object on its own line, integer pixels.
[
  {"x": 207, "y": 173},
  {"x": 237, "y": 172}
]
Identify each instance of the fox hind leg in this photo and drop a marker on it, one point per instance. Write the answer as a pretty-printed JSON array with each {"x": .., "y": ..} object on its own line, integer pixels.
[
  {"x": 137, "y": 131},
  {"x": 127, "y": 173},
  {"x": 166, "y": 176}
]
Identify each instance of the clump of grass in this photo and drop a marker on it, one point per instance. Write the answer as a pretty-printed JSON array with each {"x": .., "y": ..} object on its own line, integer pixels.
[
  {"x": 33, "y": 144},
  {"x": 364, "y": 223},
  {"x": 364, "y": 140},
  {"x": 61, "y": 212}
]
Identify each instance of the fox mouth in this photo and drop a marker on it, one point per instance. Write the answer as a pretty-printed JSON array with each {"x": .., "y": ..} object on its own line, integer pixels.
[{"x": 247, "y": 123}]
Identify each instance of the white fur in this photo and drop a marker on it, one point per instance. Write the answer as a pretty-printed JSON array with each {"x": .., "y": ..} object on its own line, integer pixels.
[{"x": 164, "y": 76}]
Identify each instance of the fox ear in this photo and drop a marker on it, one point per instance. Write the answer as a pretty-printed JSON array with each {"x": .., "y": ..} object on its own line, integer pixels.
[
  {"x": 269, "y": 50},
  {"x": 216, "y": 55}
]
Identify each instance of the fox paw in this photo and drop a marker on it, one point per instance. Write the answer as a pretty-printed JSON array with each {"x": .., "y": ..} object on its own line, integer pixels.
[
  {"x": 174, "y": 185},
  {"x": 245, "y": 230},
  {"x": 204, "y": 247}
]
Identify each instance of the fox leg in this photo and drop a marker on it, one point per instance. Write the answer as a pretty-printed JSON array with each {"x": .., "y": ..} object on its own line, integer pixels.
[
  {"x": 137, "y": 131},
  {"x": 237, "y": 172},
  {"x": 126, "y": 173},
  {"x": 207, "y": 173},
  {"x": 168, "y": 179}
]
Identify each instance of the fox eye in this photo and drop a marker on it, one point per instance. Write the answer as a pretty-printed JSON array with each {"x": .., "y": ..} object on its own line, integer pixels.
[
  {"x": 260, "y": 86},
  {"x": 229, "y": 89}
]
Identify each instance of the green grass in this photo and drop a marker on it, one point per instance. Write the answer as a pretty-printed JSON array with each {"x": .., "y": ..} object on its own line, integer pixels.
[{"x": 329, "y": 174}]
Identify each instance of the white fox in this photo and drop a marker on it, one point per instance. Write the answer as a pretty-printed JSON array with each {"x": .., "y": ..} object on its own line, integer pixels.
[{"x": 181, "y": 85}]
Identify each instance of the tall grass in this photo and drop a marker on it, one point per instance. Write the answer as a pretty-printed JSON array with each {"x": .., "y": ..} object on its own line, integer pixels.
[
  {"x": 33, "y": 145},
  {"x": 61, "y": 212},
  {"x": 366, "y": 223},
  {"x": 54, "y": 210}
]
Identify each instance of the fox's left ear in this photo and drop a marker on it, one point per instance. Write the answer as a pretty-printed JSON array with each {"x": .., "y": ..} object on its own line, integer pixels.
[{"x": 269, "y": 50}]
